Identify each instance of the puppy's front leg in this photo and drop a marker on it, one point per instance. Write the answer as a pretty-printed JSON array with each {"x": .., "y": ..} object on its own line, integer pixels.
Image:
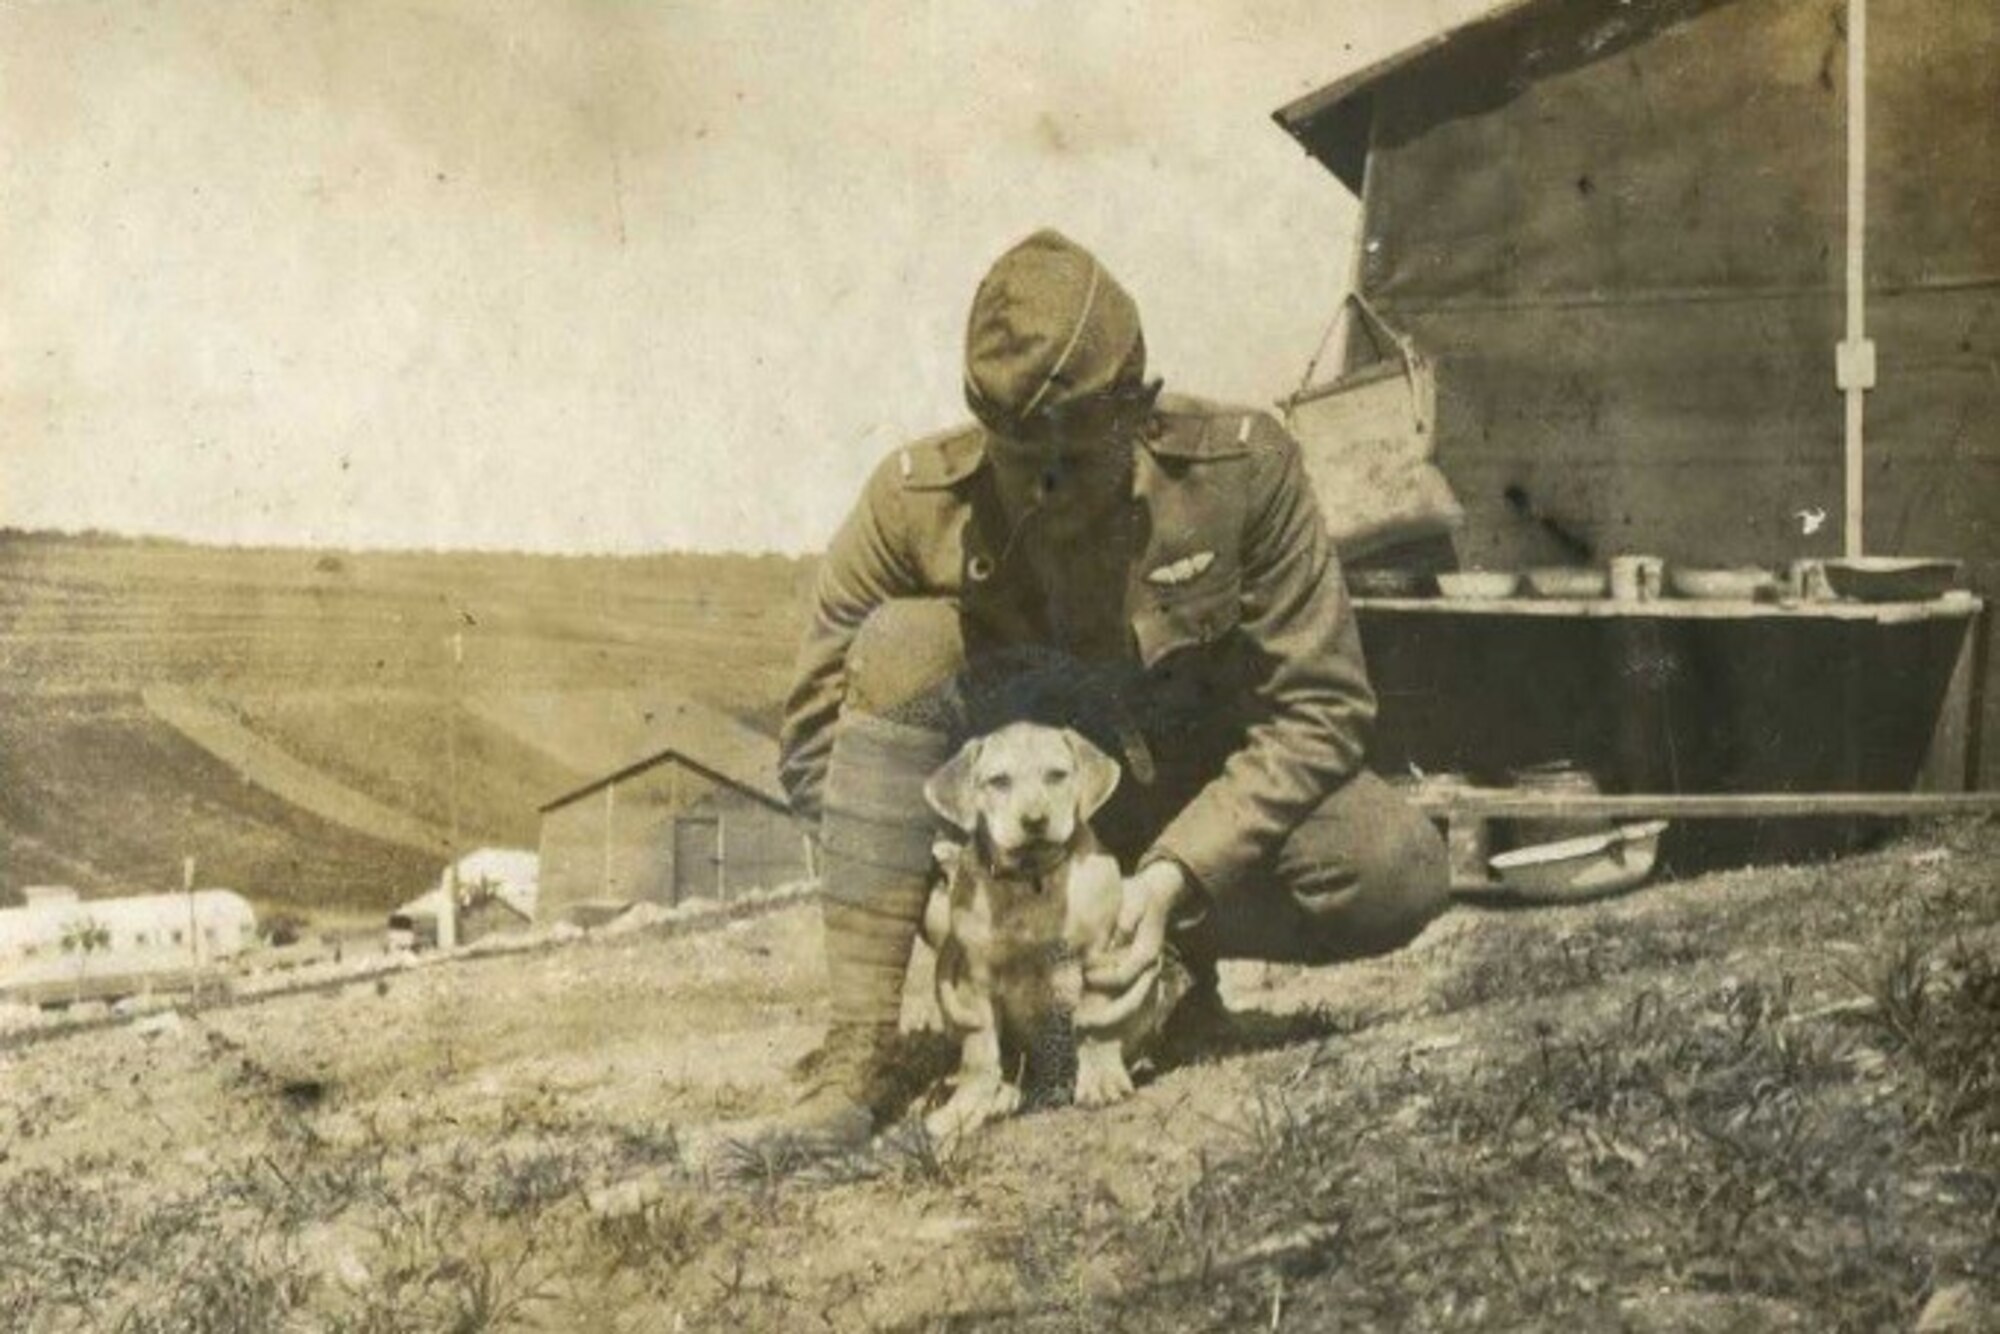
[
  {"x": 983, "y": 1093},
  {"x": 1101, "y": 1076}
]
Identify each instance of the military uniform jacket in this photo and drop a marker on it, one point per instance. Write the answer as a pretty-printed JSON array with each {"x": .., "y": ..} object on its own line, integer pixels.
[{"x": 1230, "y": 570}]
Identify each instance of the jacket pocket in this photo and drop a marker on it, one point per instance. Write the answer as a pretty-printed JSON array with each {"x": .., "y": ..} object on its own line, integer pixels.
[{"x": 1169, "y": 622}]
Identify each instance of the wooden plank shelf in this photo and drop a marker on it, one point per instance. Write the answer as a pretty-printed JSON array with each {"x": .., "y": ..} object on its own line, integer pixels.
[
  {"x": 1508, "y": 803},
  {"x": 1956, "y": 606}
]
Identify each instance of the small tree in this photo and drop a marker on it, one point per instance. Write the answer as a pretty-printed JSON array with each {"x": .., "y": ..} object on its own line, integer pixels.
[{"x": 84, "y": 936}]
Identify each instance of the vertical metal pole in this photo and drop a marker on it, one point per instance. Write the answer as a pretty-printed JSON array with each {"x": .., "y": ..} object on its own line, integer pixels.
[
  {"x": 447, "y": 922},
  {"x": 1857, "y": 372},
  {"x": 610, "y": 817},
  {"x": 677, "y": 873},
  {"x": 187, "y": 888}
]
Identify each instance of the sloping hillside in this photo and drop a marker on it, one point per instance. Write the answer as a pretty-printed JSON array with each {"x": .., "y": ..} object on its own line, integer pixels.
[
  {"x": 263, "y": 763},
  {"x": 1768, "y": 1100},
  {"x": 340, "y": 686},
  {"x": 97, "y": 792}
]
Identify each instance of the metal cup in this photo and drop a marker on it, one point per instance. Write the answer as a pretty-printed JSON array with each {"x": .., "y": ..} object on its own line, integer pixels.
[
  {"x": 1805, "y": 580},
  {"x": 1637, "y": 578}
]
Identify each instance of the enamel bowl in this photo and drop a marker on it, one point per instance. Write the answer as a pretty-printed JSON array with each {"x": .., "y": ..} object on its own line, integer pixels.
[
  {"x": 1737, "y": 584},
  {"x": 1568, "y": 581},
  {"x": 1480, "y": 585}
]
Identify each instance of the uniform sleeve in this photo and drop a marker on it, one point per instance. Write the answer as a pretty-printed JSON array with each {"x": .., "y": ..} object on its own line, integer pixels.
[
  {"x": 1306, "y": 670},
  {"x": 863, "y": 568}
]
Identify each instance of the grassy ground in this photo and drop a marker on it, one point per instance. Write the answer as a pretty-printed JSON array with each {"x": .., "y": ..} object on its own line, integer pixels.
[{"x": 1762, "y": 1100}]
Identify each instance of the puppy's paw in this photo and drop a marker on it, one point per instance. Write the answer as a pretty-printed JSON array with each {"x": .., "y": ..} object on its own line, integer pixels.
[
  {"x": 972, "y": 1106},
  {"x": 1101, "y": 1076}
]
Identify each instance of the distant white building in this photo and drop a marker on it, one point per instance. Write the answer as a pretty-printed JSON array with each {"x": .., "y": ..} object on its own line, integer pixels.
[
  {"x": 512, "y": 875},
  {"x": 58, "y": 943},
  {"x": 497, "y": 891}
]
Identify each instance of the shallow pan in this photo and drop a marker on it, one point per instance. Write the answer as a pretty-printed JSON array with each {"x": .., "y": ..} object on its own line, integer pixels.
[
  {"x": 1891, "y": 578},
  {"x": 1582, "y": 868}
]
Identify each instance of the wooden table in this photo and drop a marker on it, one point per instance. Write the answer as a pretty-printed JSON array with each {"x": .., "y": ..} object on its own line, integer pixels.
[{"x": 1796, "y": 677}]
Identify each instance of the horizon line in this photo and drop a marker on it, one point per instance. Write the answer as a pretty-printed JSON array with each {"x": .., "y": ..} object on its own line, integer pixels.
[{"x": 112, "y": 536}]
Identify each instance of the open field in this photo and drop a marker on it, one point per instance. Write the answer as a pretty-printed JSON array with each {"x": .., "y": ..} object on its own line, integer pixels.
[
  {"x": 328, "y": 681},
  {"x": 1756, "y": 1101}
]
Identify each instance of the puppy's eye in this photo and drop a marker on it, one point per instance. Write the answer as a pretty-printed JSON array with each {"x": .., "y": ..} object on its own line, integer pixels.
[
  {"x": 999, "y": 783},
  {"x": 1056, "y": 777}
]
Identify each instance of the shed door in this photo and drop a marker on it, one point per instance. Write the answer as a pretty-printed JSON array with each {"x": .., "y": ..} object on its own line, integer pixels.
[{"x": 697, "y": 857}]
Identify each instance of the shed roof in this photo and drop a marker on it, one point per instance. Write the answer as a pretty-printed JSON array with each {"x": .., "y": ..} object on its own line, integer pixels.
[
  {"x": 1332, "y": 123},
  {"x": 636, "y": 730}
]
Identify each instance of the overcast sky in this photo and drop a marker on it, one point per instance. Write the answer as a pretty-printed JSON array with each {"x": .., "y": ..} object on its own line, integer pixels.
[{"x": 607, "y": 275}]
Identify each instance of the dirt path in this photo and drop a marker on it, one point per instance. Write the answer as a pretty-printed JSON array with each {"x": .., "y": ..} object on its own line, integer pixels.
[
  {"x": 1527, "y": 1116},
  {"x": 284, "y": 775}
]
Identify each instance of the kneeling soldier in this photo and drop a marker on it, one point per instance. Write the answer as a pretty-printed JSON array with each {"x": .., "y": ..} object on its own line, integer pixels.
[{"x": 1151, "y": 570}]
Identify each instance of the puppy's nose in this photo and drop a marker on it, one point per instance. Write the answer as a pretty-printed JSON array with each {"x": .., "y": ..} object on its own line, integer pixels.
[{"x": 1036, "y": 822}]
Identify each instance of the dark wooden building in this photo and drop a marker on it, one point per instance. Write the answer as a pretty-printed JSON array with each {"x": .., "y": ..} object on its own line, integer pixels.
[
  {"x": 699, "y": 814},
  {"x": 1620, "y": 233}
]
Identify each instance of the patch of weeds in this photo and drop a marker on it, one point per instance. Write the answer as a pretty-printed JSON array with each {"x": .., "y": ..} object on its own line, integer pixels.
[
  {"x": 539, "y": 1111},
  {"x": 71, "y": 1246},
  {"x": 662, "y": 1234},
  {"x": 532, "y": 1182},
  {"x": 1713, "y": 1144},
  {"x": 634, "y": 1147},
  {"x": 658, "y": 1241},
  {"x": 437, "y": 1268},
  {"x": 301, "y": 1179},
  {"x": 1520, "y": 964},
  {"x": 224, "y": 1288},
  {"x": 484, "y": 1292},
  {"x": 60, "y": 1239},
  {"x": 1940, "y": 1010},
  {"x": 768, "y": 1161},
  {"x": 914, "y": 1158}
]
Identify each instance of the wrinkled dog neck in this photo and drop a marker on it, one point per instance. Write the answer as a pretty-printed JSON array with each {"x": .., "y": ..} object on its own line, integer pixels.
[{"x": 1037, "y": 870}]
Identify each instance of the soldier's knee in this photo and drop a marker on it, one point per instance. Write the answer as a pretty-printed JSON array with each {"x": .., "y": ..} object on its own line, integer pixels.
[
  {"x": 1415, "y": 871},
  {"x": 1390, "y": 883},
  {"x": 907, "y": 650}
]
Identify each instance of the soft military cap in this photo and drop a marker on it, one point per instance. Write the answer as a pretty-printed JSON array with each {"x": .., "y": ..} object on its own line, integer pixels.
[{"x": 1050, "y": 331}]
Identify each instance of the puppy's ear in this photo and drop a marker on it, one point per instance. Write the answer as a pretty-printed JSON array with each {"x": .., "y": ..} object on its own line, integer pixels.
[
  {"x": 949, "y": 790},
  {"x": 1097, "y": 774}
]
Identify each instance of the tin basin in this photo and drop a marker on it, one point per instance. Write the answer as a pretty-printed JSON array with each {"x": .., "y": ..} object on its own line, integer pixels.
[
  {"x": 1891, "y": 578},
  {"x": 1584, "y": 867}
]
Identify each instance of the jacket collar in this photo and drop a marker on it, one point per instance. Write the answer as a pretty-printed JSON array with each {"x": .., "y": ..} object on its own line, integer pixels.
[{"x": 1168, "y": 440}]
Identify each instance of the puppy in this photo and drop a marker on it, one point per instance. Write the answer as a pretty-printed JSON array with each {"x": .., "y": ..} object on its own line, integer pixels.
[{"x": 1026, "y": 902}]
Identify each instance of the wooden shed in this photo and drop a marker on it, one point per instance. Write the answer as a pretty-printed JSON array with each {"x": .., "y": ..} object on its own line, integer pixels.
[
  {"x": 1620, "y": 231},
  {"x": 699, "y": 814}
]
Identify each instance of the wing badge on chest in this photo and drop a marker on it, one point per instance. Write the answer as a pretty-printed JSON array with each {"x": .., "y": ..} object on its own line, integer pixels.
[{"x": 1185, "y": 570}]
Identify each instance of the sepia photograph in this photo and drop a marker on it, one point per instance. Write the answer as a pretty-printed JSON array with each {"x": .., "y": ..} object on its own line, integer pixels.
[{"x": 909, "y": 665}]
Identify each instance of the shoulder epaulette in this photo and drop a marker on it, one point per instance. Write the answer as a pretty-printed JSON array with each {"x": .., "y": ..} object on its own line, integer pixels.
[
  {"x": 1193, "y": 428},
  {"x": 941, "y": 460}
]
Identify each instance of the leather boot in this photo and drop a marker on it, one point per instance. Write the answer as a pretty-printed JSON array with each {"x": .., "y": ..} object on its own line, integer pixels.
[
  {"x": 846, "y": 1091},
  {"x": 876, "y": 833}
]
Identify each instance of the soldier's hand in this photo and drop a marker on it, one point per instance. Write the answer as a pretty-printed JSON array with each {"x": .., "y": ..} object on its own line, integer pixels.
[{"x": 1146, "y": 907}]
